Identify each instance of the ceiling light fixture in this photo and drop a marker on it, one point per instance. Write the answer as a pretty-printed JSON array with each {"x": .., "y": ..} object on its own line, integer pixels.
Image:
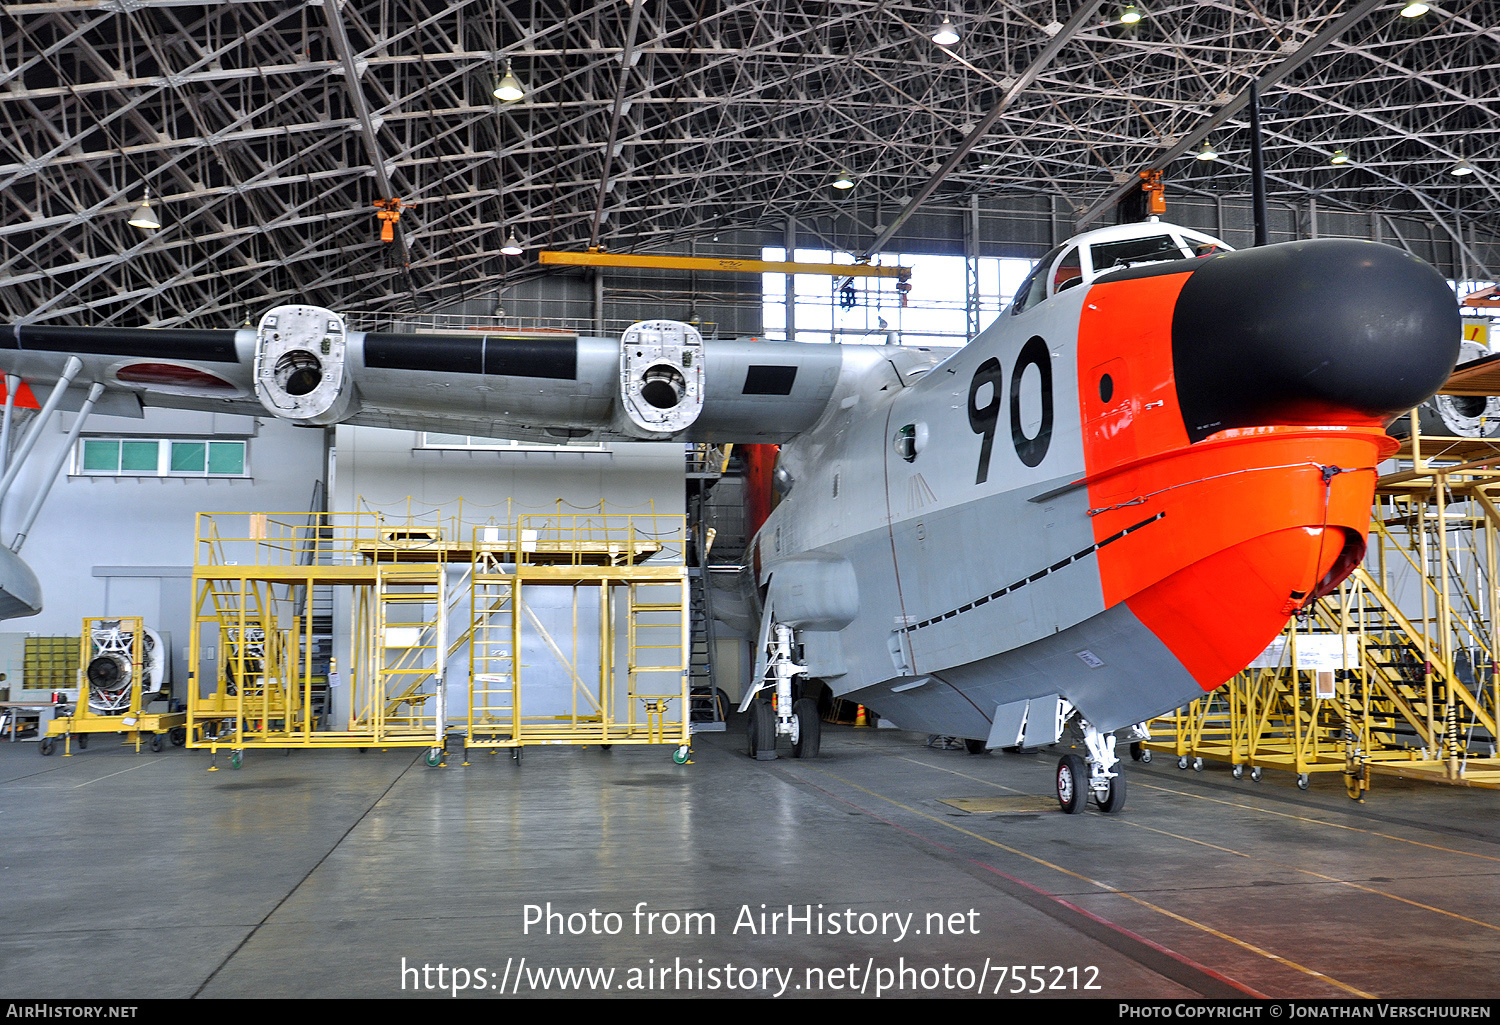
[
  {"x": 1414, "y": 10},
  {"x": 509, "y": 87},
  {"x": 1130, "y": 15},
  {"x": 1459, "y": 169},
  {"x": 946, "y": 34},
  {"x": 1339, "y": 157},
  {"x": 144, "y": 217},
  {"x": 1208, "y": 152},
  {"x": 512, "y": 246},
  {"x": 843, "y": 181}
]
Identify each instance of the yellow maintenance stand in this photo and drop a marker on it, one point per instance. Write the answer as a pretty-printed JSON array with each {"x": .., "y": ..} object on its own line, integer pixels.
[
  {"x": 256, "y": 684},
  {"x": 113, "y": 686},
  {"x": 628, "y": 583}
]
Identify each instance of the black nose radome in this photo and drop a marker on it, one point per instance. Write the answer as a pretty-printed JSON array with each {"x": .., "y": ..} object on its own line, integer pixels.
[{"x": 1310, "y": 332}]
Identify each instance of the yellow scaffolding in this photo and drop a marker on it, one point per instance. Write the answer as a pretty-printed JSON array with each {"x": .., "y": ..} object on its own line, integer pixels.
[
  {"x": 621, "y": 570},
  {"x": 252, "y": 678}
]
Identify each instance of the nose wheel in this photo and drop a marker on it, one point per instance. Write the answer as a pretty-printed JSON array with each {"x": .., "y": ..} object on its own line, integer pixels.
[{"x": 1099, "y": 774}]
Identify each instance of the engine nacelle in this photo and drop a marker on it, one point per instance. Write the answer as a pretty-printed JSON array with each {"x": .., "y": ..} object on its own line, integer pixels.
[
  {"x": 301, "y": 371},
  {"x": 661, "y": 379}
]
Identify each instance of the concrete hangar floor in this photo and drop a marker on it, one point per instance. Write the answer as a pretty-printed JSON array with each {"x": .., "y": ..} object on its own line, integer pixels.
[{"x": 337, "y": 874}]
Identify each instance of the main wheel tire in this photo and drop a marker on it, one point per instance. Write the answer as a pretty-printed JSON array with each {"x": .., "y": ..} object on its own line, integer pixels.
[
  {"x": 975, "y": 747},
  {"x": 1072, "y": 783},
  {"x": 1135, "y": 750},
  {"x": 722, "y": 699},
  {"x": 762, "y": 728},
  {"x": 83, "y": 740},
  {"x": 809, "y": 728},
  {"x": 46, "y": 746},
  {"x": 1113, "y": 799}
]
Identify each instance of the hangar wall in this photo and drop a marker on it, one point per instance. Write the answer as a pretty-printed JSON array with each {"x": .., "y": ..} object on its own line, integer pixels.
[{"x": 123, "y": 545}]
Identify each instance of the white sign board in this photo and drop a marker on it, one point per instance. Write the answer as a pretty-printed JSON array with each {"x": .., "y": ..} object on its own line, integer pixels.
[{"x": 1314, "y": 652}]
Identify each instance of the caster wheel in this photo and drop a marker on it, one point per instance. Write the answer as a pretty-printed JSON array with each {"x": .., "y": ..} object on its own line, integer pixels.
[
  {"x": 157, "y": 744},
  {"x": 1146, "y": 755},
  {"x": 435, "y": 756},
  {"x": 178, "y": 736},
  {"x": 1114, "y": 798},
  {"x": 1303, "y": 780},
  {"x": 1238, "y": 772},
  {"x": 1072, "y": 783},
  {"x": 82, "y": 740},
  {"x": 236, "y": 759},
  {"x": 47, "y": 746},
  {"x": 1255, "y": 774},
  {"x": 1182, "y": 763},
  {"x": 515, "y": 755},
  {"x": 1197, "y": 764},
  {"x": 680, "y": 756},
  {"x": 809, "y": 729}
]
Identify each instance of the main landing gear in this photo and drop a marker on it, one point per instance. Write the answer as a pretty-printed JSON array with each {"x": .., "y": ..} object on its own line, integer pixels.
[
  {"x": 1099, "y": 774},
  {"x": 798, "y": 721}
]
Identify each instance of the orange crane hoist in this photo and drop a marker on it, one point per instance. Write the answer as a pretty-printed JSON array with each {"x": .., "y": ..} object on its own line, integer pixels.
[{"x": 389, "y": 212}]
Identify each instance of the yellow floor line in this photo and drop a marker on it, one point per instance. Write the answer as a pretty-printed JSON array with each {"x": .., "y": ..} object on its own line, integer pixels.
[
  {"x": 1110, "y": 889},
  {"x": 1309, "y": 872}
]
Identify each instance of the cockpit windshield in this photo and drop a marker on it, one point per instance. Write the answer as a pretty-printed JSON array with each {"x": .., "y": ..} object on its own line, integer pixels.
[{"x": 1107, "y": 256}]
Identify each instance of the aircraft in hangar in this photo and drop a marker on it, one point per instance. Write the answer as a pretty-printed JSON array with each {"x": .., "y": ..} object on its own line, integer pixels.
[{"x": 1103, "y": 506}]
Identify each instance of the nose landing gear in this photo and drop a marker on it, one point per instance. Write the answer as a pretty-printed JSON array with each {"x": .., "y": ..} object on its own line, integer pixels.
[{"x": 1099, "y": 775}]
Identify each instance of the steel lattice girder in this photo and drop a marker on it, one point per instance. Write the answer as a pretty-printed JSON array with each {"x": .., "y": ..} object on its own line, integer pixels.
[{"x": 269, "y": 129}]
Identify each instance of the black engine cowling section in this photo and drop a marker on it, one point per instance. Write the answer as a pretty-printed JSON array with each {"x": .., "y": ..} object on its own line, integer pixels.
[{"x": 1310, "y": 332}]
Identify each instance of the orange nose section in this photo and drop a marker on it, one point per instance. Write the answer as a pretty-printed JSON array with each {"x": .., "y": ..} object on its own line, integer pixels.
[{"x": 1234, "y": 532}]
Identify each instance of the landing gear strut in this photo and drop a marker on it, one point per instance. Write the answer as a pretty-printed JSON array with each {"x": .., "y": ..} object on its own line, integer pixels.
[
  {"x": 798, "y": 721},
  {"x": 1099, "y": 775}
]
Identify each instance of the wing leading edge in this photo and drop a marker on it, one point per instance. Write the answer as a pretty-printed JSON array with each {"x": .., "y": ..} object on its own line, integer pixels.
[{"x": 659, "y": 381}]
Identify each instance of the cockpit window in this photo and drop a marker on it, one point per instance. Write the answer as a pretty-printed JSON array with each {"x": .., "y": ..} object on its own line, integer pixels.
[
  {"x": 1034, "y": 289},
  {"x": 1107, "y": 256},
  {"x": 1069, "y": 272}
]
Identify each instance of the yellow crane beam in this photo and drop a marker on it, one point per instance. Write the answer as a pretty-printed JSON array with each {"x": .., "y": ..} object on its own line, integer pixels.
[{"x": 847, "y": 270}]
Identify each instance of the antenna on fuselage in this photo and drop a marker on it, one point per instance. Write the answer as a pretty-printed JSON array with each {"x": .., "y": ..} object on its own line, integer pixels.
[{"x": 1257, "y": 167}]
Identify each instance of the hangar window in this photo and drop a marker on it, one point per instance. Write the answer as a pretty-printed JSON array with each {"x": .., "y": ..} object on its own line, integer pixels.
[
  {"x": 159, "y": 457},
  {"x": 870, "y": 310},
  {"x": 475, "y": 443}
]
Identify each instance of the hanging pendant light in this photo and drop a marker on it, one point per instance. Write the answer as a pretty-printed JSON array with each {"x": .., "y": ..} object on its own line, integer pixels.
[
  {"x": 512, "y": 246},
  {"x": 144, "y": 217},
  {"x": 509, "y": 87},
  {"x": 1208, "y": 152}
]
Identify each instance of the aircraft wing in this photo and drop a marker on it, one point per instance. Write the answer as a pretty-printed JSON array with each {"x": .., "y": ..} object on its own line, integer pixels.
[{"x": 659, "y": 381}]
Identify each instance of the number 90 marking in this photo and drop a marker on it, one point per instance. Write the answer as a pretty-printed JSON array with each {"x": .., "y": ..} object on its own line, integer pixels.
[{"x": 983, "y": 420}]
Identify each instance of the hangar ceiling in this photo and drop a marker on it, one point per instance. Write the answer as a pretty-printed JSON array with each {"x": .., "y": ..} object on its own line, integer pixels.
[{"x": 265, "y": 131}]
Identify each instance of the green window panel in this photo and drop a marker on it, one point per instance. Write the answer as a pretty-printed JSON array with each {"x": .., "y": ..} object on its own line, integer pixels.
[
  {"x": 188, "y": 456},
  {"x": 226, "y": 457},
  {"x": 139, "y": 456},
  {"x": 101, "y": 456}
]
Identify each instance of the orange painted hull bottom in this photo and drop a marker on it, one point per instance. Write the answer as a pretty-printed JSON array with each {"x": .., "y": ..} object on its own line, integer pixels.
[{"x": 1254, "y": 523}]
